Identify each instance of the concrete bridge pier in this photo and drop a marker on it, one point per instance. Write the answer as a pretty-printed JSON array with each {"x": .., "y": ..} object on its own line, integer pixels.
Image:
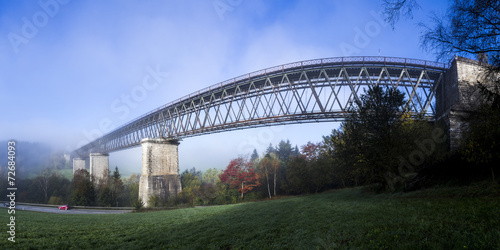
[
  {"x": 78, "y": 163},
  {"x": 99, "y": 168},
  {"x": 459, "y": 97},
  {"x": 160, "y": 169}
]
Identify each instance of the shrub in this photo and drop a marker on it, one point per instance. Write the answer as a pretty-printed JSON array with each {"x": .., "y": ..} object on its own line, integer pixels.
[
  {"x": 138, "y": 204},
  {"x": 55, "y": 200}
]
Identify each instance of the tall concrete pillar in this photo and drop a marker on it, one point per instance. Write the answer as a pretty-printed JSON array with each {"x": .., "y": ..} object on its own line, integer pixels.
[
  {"x": 459, "y": 96},
  {"x": 99, "y": 168},
  {"x": 78, "y": 163},
  {"x": 160, "y": 169}
]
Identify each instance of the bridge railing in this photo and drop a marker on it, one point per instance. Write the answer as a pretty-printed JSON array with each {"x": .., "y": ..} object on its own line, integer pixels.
[{"x": 315, "y": 63}]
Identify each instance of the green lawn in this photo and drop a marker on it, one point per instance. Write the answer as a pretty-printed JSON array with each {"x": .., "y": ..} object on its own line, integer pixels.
[
  {"x": 66, "y": 172},
  {"x": 451, "y": 218}
]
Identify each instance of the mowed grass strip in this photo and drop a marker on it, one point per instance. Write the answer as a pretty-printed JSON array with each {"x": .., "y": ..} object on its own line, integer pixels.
[{"x": 349, "y": 218}]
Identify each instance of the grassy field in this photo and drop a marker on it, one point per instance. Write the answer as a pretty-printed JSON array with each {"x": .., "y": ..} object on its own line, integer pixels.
[
  {"x": 68, "y": 173},
  {"x": 447, "y": 218}
]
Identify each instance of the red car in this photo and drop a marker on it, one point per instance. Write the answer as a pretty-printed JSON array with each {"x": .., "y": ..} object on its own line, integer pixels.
[{"x": 64, "y": 207}]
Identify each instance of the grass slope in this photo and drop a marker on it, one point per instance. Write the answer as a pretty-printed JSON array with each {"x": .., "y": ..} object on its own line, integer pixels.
[
  {"x": 66, "y": 172},
  {"x": 443, "y": 218}
]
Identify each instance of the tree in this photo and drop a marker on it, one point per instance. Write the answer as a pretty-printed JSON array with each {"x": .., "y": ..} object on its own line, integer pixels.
[
  {"x": 43, "y": 182},
  {"x": 468, "y": 28},
  {"x": 210, "y": 176},
  {"x": 116, "y": 188},
  {"x": 105, "y": 198},
  {"x": 156, "y": 201},
  {"x": 270, "y": 149},
  {"x": 191, "y": 179},
  {"x": 295, "y": 151},
  {"x": 206, "y": 194},
  {"x": 255, "y": 156},
  {"x": 394, "y": 8},
  {"x": 337, "y": 145},
  {"x": 59, "y": 187},
  {"x": 366, "y": 142},
  {"x": 55, "y": 200},
  {"x": 311, "y": 151},
  {"x": 298, "y": 176},
  {"x": 240, "y": 175},
  {"x": 371, "y": 146},
  {"x": 191, "y": 182},
  {"x": 322, "y": 173},
  {"x": 480, "y": 143},
  {"x": 369, "y": 129},
  {"x": 309, "y": 172},
  {"x": 83, "y": 189},
  {"x": 270, "y": 164},
  {"x": 265, "y": 169},
  {"x": 132, "y": 187},
  {"x": 284, "y": 151}
]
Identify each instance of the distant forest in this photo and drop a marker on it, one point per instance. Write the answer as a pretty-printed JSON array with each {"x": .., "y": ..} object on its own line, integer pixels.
[{"x": 32, "y": 157}]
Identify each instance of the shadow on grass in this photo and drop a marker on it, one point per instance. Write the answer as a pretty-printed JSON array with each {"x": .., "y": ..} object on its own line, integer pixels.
[{"x": 345, "y": 219}]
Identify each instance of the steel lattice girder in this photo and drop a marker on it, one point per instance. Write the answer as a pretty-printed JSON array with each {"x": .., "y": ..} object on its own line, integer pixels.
[{"x": 308, "y": 91}]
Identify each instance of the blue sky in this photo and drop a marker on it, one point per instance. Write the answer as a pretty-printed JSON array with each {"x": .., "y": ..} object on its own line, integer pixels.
[{"x": 72, "y": 70}]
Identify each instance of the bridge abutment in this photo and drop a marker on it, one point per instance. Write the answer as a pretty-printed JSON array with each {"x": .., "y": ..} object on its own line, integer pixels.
[
  {"x": 160, "y": 169},
  {"x": 78, "y": 163},
  {"x": 99, "y": 168},
  {"x": 459, "y": 96}
]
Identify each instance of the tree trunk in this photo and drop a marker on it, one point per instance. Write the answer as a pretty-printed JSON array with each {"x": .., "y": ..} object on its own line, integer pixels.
[
  {"x": 242, "y": 190},
  {"x": 43, "y": 182},
  {"x": 275, "y": 183},
  {"x": 268, "y": 188}
]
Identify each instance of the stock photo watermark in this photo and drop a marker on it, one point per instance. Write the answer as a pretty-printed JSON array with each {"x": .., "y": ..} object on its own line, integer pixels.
[
  {"x": 126, "y": 102},
  {"x": 31, "y": 26},
  {"x": 364, "y": 35},
  {"x": 223, "y": 6},
  {"x": 11, "y": 190}
]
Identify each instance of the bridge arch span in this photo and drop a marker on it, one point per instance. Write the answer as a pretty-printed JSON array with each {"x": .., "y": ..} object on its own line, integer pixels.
[{"x": 307, "y": 91}]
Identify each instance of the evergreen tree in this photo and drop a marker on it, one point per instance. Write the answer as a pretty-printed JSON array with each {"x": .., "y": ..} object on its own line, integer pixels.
[
  {"x": 284, "y": 151},
  {"x": 116, "y": 188},
  {"x": 83, "y": 189},
  {"x": 105, "y": 198},
  {"x": 375, "y": 135},
  {"x": 270, "y": 149},
  {"x": 255, "y": 156}
]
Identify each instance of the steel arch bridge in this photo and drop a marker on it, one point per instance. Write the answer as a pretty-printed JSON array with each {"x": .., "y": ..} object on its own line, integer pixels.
[{"x": 307, "y": 91}]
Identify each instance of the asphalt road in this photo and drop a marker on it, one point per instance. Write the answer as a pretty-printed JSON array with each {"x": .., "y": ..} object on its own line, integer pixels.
[{"x": 55, "y": 210}]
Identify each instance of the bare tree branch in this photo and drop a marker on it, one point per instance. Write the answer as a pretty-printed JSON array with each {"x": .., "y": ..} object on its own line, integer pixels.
[
  {"x": 470, "y": 28},
  {"x": 393, "y": 9}
]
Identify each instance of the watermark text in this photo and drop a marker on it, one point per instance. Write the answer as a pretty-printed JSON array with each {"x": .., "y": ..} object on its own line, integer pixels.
[{"x": 11, "y": 190}]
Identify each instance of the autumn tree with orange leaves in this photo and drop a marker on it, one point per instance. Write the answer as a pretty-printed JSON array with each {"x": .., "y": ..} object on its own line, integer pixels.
[{"x": 240, "y": 175}]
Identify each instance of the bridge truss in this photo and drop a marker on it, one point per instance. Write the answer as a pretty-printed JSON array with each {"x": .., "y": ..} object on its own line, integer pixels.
[{"x": 307, "y": 91}]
